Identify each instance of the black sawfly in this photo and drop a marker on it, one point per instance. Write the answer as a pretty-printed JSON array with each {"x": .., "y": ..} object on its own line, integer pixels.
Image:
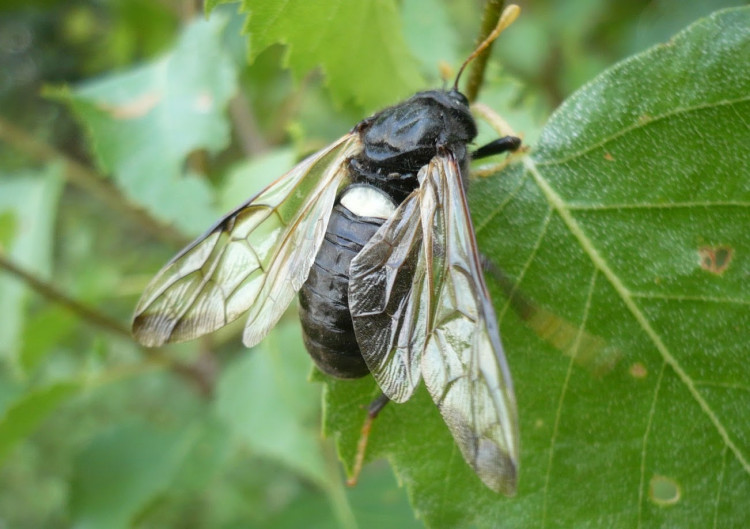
[{"x": 374, "y": 233}]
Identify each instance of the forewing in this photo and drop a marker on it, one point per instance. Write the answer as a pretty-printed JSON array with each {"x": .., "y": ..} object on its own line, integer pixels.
[
  {"x": 386, "y": 281},
  {"x": 254, "y": 259},
  {"x": 463, "y": 364}
]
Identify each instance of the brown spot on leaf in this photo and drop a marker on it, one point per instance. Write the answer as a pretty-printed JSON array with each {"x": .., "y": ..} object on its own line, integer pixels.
[
  {"x": 638, "y": 370},
  {"x": 609, "y": 157},
  {"x": 135, "y": 108},
  {"x": 715, "y": 259}
]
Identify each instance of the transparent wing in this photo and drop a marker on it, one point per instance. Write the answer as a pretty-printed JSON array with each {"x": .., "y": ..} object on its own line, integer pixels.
[
  {"x": 463, "y": 364},
  {"x": 420, "y": 308},
  {"x": 386, "y": 281},
  {"x": 254, "y": 259}
]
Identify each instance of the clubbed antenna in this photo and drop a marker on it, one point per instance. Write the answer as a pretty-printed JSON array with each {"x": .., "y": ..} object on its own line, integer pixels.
[{"x": 509, "y": 14}]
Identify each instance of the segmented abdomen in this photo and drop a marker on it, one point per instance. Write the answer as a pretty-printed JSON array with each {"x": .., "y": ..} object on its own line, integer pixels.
[{"x": 324, "y": 301}]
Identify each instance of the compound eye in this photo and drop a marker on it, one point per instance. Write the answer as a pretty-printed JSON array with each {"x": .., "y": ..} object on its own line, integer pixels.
[{"x": 458, "y": 97}]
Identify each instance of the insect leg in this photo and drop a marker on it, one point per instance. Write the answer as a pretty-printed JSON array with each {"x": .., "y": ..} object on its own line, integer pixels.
[
  {"x": 508, "y": 141},
  {"x": 498, "y": 146},
  {"x": 372, "y": 411}
]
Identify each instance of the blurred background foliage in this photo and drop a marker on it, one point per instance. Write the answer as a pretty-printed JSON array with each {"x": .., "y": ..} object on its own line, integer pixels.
[{"x": 96, "y": 432}]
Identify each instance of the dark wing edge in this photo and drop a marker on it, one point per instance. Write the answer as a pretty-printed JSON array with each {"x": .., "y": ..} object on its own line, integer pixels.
[
  {"x": 253, "y": 260},
  {"x": 463, "y": 364},
  {"x": 386, "y": 282}
]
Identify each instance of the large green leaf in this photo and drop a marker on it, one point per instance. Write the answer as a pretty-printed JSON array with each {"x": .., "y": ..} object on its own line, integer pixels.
[
  {"x": 144, "y": 123},
  {"x": 358, "y": 44},
  {"x": 629, "y": 220}
]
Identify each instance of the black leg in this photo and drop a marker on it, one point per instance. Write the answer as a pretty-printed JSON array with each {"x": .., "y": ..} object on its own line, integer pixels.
[
  {"x": 498, "y": 146},
  {"x": 376, "y": 405}
]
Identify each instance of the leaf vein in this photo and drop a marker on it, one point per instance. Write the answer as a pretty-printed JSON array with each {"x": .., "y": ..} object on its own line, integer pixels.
[
  {"x": 740, "y": 116},
  {"x": 638, "y": 125},
  {"x": 527, "y": 264},
  {"x": 572, "y": 206},
  {"x": 725, "y": 385},
  {"x": 563, "y": 391},
  {"x": 557, "y": 202},
  {"x": 719, "y": 486},
  {"x": 644, "y": 446},
  {"x": 500, "y": 207},
  {"x": 683, "y": 297}
]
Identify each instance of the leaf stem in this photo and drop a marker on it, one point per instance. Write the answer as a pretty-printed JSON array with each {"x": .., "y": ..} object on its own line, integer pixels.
[
  {"x": 289, "y": 108},
  {"x": 243, "y": 119},
  {"x": 50, "y": 292},
  {"x": 89, "y": 180},
  {"x": 201, "y": 373},
  {"x": 492, "y": 11}
]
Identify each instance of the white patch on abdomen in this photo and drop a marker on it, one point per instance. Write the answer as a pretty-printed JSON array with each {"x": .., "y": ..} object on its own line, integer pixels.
[{"x": 368, "y": 201}]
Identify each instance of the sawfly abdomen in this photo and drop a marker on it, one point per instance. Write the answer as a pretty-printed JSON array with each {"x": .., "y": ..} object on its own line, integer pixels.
[{"x": 327, "y": 327}]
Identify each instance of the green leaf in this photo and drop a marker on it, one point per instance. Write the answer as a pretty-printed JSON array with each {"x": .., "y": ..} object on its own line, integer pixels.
[
  {"x": 431, "y": 36},
  {"x": 375, "y": 502},
  {"x": 32, "y": 198},
  {"x": 144, "y": 123},
  {"x": 43, "y": 332},
  {"x": 358, "y": 44},
  {"x": 122, "y": 470},
  {"x": 8, "y": 228},
  {"x": 25, "y": 413},
  {"x": 629, "y": 222},
  {"x": 247, "y": 178},
  {"x": 206, "y": 457},
  {"x": 266, "y": 401}
]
